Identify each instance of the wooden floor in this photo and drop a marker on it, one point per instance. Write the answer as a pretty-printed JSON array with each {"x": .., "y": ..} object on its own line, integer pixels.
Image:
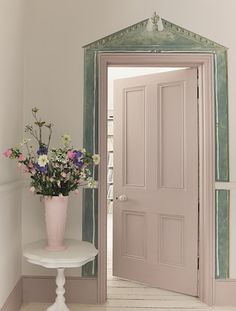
[{"x": 125, "y": 295}]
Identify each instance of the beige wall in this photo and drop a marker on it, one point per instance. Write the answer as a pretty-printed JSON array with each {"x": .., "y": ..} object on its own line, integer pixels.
[
  {"x": 56, "y": 30},
  {"x": 11, "y": 104}
]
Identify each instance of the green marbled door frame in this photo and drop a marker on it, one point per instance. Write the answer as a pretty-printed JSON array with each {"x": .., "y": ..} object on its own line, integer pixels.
[
  {"x": 172, "y": 39},
  {"x": 222, "y": 233}
]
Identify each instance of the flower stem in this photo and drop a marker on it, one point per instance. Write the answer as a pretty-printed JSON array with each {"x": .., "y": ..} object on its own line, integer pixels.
[
  {"x": 28, "y": 150},
  {"x": 49, "y": 138}
]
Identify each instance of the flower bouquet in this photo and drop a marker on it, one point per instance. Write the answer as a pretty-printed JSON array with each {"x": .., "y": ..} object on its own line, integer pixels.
[{"x": 54, "y": 173}]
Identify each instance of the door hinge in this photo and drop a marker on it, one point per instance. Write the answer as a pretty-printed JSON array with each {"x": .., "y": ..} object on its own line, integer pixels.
[
  {"x": 198, "y": 263},
  {"x": 198, "y": 92}
]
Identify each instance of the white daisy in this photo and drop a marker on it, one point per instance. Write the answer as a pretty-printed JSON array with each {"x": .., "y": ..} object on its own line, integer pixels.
[
  {"x": 92, "y": 183},
  {"x": 82, "y": 175},
  {"x": 96, "y": 159},
  {"x": 43, "y": 160}
]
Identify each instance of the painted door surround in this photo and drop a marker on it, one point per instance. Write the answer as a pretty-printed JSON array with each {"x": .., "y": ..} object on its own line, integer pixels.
[
  {"x": 135, "y": 41},
  {"x": 204, "y": 63},
  {"x": 155, "y": 229}
]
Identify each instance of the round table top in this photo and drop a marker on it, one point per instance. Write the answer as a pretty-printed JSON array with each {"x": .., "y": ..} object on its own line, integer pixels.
[{"x": 76, "y": 254}]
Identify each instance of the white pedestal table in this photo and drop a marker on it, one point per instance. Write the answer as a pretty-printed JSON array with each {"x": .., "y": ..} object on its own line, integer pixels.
[{"x": 76, "y": 254}]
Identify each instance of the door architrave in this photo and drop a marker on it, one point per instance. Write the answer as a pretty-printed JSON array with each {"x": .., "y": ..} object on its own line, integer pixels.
[{"x": 205, "y": 64}]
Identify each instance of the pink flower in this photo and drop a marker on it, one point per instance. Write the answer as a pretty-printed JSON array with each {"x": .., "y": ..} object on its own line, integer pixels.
[
  {"x": 32, "y": 189},
  {"x": 33, "y": 171},
  {"x": 7, "y": 153},
  {"x": 30, "y": 165},
  {"x": 21, "y": 157},
  {"x": 70, "y": 154},
  {"x": 19, "y": 164}
]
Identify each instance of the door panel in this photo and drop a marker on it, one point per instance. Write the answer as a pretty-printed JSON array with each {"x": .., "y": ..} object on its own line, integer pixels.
[
  {"x": 171, "y": 240},
  {"x": 134, "y": 137},
  {"x": 133, "y": 246},
  {"x": 171, "y": 142},
  {"x": 155, "y": 230}
]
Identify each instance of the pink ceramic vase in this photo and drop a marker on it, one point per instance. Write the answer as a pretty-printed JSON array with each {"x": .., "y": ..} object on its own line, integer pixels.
[{"x": 55, "y": 216}]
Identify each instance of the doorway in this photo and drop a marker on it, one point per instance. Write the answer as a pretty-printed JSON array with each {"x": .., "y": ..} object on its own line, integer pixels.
[
  {"x": 153, "y": 139},
  {"x": 204, "y": 65}
]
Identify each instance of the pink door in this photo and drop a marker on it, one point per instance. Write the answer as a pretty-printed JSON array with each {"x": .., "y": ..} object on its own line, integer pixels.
[{"x": 156, "y": 180}]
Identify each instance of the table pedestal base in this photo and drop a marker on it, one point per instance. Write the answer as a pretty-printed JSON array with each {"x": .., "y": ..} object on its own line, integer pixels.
[{"x": 59, "y": 304}]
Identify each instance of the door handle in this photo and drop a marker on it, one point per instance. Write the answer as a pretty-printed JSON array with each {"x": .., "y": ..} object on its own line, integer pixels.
[{"x": 122, "y": 198}]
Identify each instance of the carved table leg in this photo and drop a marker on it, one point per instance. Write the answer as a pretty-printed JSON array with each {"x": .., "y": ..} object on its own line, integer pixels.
[{"x": 59, "y": 304}]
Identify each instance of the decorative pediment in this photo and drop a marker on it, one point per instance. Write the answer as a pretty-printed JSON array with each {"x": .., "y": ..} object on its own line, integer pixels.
[{"x": 168, "y": 35}]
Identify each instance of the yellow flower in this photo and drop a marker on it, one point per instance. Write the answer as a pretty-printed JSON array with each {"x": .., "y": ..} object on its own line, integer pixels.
[
  {"x": 43, "y": 160},
  {"x": 92, "y": 183},
  {"x": 66, "y": 139},
  {"x": 96, "y": 159}
]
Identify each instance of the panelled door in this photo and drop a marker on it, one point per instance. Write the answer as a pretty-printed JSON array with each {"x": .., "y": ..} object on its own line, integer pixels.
[{"x": 155, "y": 231}]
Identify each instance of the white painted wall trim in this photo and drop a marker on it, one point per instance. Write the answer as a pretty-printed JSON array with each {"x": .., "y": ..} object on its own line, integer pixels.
[{"x": 225, "y": 185}]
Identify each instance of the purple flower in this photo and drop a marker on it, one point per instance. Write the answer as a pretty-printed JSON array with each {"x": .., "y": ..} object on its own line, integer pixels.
[
  {"x": 78, "y": 162},
  {"x": 42, "y": 150},
  {"x": 77, "y": 158},
  {"x": 78, "y": 154},
  {"x": 41, "y": 169}
]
